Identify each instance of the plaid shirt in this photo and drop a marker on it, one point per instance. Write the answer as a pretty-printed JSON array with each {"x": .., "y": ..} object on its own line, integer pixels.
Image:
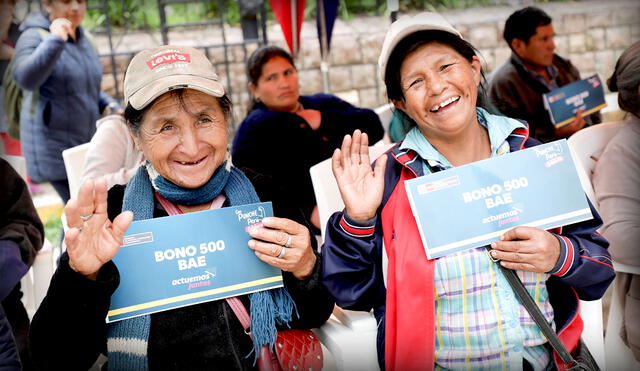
[{"x": 480, "y": 323}]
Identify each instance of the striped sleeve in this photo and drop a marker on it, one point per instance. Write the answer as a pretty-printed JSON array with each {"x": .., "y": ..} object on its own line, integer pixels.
[
  {"x": 357, "y": 229},
  {"x": 567, "y": 258}
]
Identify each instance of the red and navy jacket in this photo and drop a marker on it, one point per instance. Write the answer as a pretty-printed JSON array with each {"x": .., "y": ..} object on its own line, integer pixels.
[{"x": 352, "y": 253}]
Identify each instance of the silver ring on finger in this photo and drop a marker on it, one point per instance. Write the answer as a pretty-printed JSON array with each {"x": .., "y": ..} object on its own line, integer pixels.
[
  {"x": 288, "y": 243},
  {"x": 283, "y": 252},
  {"x": 86, "y": 217}
]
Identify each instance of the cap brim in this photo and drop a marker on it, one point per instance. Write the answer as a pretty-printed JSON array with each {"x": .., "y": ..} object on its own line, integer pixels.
[{"x": 148, "y": 93}]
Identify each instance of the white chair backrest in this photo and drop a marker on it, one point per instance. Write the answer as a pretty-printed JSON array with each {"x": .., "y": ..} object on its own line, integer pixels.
[
  {"x": 384, "y": 114},
  {"x": 326, "y": 189},
  {"x": 18, "y": 163},
  {"x": 587, "y": 145},
  {"x": 74, "y": 164}
]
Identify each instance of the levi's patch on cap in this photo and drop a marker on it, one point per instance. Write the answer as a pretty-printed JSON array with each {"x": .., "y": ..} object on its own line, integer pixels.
[{"x": 170, "y": 57}]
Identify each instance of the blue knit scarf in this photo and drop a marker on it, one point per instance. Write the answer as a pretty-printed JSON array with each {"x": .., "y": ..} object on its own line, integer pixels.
[{"x": 128, "y": 339}]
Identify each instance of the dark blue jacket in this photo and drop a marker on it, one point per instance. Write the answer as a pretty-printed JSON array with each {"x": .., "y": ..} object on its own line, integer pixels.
[
  {"x": 283, "y": 146},
  {"x": 67, "y": 76}
]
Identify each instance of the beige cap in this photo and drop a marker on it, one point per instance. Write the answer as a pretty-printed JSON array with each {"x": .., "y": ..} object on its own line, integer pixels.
[
  {"x": 407, "y": 25},
  {"x": 153, "y": 72}
]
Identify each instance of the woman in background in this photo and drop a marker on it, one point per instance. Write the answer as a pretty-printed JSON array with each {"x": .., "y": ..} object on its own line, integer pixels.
[
  {"x": 55, "y": 60},
  {"x": 616, "y": 182},
  {"x": 286, "y": 133}
]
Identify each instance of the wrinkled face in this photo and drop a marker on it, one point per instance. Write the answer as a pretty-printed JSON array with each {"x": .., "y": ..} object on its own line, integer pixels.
[
  {"x": 73, "y": 10},
  {"x": 540, "y": 49},
  {"x": 277, "y": 86},
  {"x": 440, "y": 90},
  {"x": 184, "y": 138}
]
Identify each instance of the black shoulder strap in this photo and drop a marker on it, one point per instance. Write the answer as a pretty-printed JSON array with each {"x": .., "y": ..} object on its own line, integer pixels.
[{"x": 537, "y": 315}]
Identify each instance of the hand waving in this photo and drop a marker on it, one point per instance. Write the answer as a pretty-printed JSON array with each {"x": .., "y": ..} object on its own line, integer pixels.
[
  {"x": 92, "y": 240},
  {"x": 361, "y": 188}
]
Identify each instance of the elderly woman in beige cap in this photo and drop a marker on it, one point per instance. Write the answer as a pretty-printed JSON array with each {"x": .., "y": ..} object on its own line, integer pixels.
[
  {"x": 177, "y": 112},
  {"x": 457, "y": 311}
]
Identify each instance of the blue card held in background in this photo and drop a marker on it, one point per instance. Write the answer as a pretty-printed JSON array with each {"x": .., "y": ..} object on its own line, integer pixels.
[
  {"x": 181, "y": 260},
  {"x": 472, "y": 205},
  {"x": 562, "y": 103}
]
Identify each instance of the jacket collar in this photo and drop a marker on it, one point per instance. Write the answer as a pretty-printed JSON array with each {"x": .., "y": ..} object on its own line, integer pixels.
[{"x": 410, "y": 159}]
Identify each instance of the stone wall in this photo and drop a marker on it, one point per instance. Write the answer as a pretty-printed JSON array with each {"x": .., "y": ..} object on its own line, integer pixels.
[{"x": 592, "y": 34}]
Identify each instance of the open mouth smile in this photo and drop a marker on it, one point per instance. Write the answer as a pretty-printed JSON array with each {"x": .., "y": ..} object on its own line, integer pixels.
[
  {"x": 445, "y": 103},
  {"x": 189, "y": 163}
]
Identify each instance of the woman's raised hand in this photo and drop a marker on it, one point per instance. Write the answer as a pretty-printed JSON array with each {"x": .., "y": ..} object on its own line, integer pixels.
[
  {"x": 61, "y": 27},
  {"x": 360, "y": 186},
  {"x": 285, "y": 244},
  {"x": 92, "y": 240}
]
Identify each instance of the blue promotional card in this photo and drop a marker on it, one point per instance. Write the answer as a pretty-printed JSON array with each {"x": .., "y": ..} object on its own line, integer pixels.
[
  {"x": 472, "y": 205},
  {"x": 562, "y": 103},
  {"x": 181, "y": 260}
]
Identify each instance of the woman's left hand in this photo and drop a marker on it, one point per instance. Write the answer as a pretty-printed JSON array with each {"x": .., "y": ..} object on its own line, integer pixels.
[
  {"x": 284, "y": 244},
  {"x": 527, "y": 249}
]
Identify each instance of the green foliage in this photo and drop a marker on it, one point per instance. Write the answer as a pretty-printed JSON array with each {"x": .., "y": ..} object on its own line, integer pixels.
[
  {"x": 144, "y": 14},
  {"x": 53, "y": 230}
]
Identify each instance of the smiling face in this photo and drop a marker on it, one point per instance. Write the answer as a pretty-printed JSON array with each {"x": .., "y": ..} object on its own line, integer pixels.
[
  {"x": 277, "y": 87},
  {"x": 184, "y": 137},
  {"x": 73, "y": 10},
  {"x": 540, "y": 48},
  {"x": 440, "y": 89}
]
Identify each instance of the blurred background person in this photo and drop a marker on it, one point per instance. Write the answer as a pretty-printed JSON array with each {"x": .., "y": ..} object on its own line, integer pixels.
[
  {"x": 9, "y": 33},
  {"x": 21, "y": 237},
  {"x": 286, "y": 133},
  {"x": 61, "y": 66},
  {"x": 516, "y": 87},
  {"x": 616, "y": 182}
]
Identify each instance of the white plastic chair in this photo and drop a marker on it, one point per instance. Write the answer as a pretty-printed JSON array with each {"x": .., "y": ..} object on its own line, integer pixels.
[
  {"x": 74, "y": 164},
  {"x": 326, "y": 189},
  {"x": 385, "y": 113},
  {"x": 350, "y": 336},
  {"x": 35, "y": 283},
  {"x": 586, "y": 146},
  {"x": 619, "y": 356}
]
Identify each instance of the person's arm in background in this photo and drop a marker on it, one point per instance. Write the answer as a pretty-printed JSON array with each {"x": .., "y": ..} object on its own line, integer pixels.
[
  {"x": 35, "y": 58},
  {"x": 21, "y": 231},
  {"x": 616, "y": 182},
  {"x": 112, "y": 154},
  {"x": 20, "y": 221},
  {"x": 339, "y": 118},
  {"x": 105, "y": 101}
]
